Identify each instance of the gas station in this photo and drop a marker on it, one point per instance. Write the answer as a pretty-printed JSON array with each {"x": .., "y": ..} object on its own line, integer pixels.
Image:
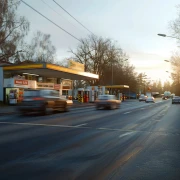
[{"x": 17, "y": 77}]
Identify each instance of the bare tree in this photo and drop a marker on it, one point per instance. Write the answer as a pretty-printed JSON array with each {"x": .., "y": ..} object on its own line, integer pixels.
[
  {"x": 175, "y": 25},
  {"x": 13, "y": 29},
  {"x": 40, "y": 49},
  {"x": 175, "y": 64},
  {"x": 99, "y": 55}
]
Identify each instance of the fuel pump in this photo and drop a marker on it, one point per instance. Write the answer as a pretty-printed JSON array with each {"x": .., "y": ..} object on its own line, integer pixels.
[
  {"x": 86, "y": 95},
  {"x": 80, "y": 95}
]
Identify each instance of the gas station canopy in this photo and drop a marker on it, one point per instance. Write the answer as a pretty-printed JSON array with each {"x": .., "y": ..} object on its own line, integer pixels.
[
  {"x": 49, "y": 70},
  {"x": 118, "y": 86}
]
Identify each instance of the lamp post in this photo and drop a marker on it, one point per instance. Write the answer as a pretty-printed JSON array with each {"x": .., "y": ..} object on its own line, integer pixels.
[{"x": 164, "y": 35}]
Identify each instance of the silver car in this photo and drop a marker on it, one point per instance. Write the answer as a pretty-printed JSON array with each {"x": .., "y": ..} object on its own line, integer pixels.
[
  {"x": 150, "y": 100},
  {"x": 142, "y": 98},
  {"x": 176, "y": 100}
]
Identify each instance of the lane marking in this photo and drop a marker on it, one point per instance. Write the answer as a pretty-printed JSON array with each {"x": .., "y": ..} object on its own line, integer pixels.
[
  {"x": 143, "y": 108},
  {"x": 132, "y": 126},
  {"x": 34, "y": 124},
  {"x": 125, "y": 134},
  {"x": 127, "y": 112},
  {"x": 81, "y": 125},
  {"x": 160, "y": 131}
]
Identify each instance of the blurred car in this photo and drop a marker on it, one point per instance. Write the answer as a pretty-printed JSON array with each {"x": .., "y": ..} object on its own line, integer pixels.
[
  {"x": 107, "y": 101},
  {"x": 39, "y": 101},
  {"x": 142, "y": 98},
  {"x": 176, "y": 100},
  {"x": 150, "y": 99},
  {"x": 164, "y": 98}
]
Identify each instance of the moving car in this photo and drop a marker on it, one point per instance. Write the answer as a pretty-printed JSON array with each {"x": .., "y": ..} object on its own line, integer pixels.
[
  {"x": 142, "y": 98},
  {"x": 176, "y": 99},
  {"x": 164, "y": 98},
  {"x": 107, "y": 101},
  {"x": 40, "y": 100},
  {"x": 150, "y": 99}
]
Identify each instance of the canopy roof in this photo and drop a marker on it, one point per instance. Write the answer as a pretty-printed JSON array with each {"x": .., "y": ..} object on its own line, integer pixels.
[{"x": 49, "y": 70}]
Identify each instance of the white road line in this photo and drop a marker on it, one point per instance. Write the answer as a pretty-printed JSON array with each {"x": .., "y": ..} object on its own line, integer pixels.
[
  {"x": 81, "y": 125},
  {"x": 125, "y": 134},
  {"x": 127, "y": 112},
  {"x": 34, "y": 124},
  {"x": 142, "y": 108}
]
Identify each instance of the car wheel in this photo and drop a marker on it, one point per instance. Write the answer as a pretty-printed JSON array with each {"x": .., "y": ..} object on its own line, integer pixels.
[
  {"x": 111, "y": 106},
  {"x": 44, "y": 110}
]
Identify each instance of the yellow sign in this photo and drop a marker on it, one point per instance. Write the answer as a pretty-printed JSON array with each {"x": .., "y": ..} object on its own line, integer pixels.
[
  {"x": 76, "y": 66},
  {"x": 29, "y": 66}
]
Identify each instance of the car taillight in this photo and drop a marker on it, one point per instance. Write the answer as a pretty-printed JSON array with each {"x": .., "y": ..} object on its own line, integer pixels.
[{"x": 37, "y": 98}]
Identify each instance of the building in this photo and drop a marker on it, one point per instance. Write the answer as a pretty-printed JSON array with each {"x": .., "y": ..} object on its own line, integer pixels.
[{"x": 28, "y": 75}]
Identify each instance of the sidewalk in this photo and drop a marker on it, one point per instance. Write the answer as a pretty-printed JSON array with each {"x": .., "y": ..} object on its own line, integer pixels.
[{"x": 5, "y": 109}]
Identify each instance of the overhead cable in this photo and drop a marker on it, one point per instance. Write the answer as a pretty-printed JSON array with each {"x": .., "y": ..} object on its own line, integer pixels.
[{"x": 50, "y": 21}]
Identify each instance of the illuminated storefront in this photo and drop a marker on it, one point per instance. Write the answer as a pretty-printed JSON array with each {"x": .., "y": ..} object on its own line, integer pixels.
[{"x": 39, "y": 76}]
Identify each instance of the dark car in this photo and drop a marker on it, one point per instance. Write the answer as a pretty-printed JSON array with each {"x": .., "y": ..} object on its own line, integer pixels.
[
  {"x": 39, "y": 101},
  {"x": 176, "y": 100},
  {"x": 164, "y": 98}
]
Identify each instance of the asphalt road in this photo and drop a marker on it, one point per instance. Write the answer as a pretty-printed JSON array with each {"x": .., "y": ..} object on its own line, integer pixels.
[{"x": 137, "y": 141}]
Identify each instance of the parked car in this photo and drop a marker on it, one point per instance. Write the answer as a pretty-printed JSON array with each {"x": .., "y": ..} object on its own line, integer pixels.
[
  {"x": 107, "y": 101},
  {"x": 176, "y": 99},
  {"x": 142, "y": 98},
  {"x": 150, "y": 99},
  {"x": 39, "y": 101}
]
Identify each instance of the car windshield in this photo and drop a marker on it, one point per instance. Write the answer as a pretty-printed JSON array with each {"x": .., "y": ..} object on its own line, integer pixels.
[
  {"x": 31, "y": 93},
  {"x": 103, "y": 97}
]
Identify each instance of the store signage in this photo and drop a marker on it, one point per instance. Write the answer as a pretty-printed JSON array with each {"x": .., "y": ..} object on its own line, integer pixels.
[
  {"x": 76, "y": 66},
  {"x": 20, "y": 82},
  {"x": 45, "y": 85},
  {"x": 57, "y": 86},
  {"x": 66, "y": 84}
]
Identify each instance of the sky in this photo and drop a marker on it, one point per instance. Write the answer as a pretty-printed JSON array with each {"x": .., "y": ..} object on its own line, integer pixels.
[{"x": 134, "y": 24}]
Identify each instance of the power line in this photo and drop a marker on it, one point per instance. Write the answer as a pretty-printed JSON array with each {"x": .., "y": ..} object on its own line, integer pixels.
[
  {"x": 50, "y": 21},
  {"x": 74, "y": 18},
  {"x": 57, "y": 12}
]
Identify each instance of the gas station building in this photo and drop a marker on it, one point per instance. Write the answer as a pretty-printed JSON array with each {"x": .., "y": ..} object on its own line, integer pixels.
[{"x": 17, "y": 77}]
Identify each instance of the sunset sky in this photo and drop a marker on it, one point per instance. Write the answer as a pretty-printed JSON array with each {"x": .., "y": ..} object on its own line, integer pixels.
[{"x": 134, "y": 24}]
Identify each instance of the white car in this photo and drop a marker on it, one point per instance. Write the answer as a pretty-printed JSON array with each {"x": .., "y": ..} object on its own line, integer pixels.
[
  {"x": 142, "y": 98},
  {"x": 150, "y": 99}
]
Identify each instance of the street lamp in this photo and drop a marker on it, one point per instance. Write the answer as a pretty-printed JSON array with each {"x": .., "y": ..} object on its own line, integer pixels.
[{"x": 164, "y": 35}]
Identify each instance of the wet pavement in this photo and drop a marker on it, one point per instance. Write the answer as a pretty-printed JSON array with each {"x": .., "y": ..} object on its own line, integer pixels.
[{"x": 137, "y": 141}]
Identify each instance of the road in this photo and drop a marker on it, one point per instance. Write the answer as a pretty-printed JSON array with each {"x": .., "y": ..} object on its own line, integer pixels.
[{"x": 137, "y": 141}]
